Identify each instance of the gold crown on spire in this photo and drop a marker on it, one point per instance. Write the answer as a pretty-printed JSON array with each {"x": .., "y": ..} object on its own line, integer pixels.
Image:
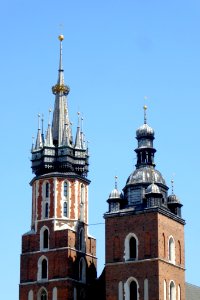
[{"x": 61, "y": 37}]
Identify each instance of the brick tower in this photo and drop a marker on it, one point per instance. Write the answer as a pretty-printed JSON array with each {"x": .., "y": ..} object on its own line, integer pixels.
[
  {"x": 144, "y": 233},
  {"x": 58, "y": 260}
]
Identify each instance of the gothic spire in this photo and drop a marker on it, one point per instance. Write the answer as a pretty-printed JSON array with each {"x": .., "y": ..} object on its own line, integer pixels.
[
  {"x": 49, "y": 139},
  {"x": 60, "y": 115},
  {"x": 78, "y": 141}
]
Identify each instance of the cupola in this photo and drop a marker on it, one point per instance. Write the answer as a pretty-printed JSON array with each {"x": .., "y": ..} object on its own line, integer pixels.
[
  {"x": 115, "y": 199},
  {"x": 173, "y": 202}
]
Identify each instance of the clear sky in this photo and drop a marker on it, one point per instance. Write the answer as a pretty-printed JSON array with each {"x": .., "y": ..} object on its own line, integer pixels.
[{"x": 115, "y": 53}]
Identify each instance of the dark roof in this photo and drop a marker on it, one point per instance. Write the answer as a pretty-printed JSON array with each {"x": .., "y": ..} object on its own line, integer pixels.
[{"x": 192, "y": 292}]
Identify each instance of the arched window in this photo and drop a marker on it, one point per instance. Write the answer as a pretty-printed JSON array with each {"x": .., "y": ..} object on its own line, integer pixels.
[
  {"x": 42, "y": 295},
  {"x": 65, "y": 190},
  {"x": 30, "y": 295},
  {"x": 131, "y": 247},
  {"x": 171, "y": 250},
  {"x": 42, "y": 268},
  {"x": 44, "y": 238},
  {"x": 47, "y": 190},
  {"x": 131, "y": 289},
  {"x": 81, "y": 240},
  {"x": 172, "y": 291},
  {"x": 65, "y": 213},
  {"x": 46, "y": 210},
  {"x": 146, "y": 289},
  {"x": 82, "y": 270}
]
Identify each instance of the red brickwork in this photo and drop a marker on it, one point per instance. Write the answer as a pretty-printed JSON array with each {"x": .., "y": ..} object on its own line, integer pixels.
[
  {"x": 153, "y": 231},
  {"x": 63, "y": 253}
]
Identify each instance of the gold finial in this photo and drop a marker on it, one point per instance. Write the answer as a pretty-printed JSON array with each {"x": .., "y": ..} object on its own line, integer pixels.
[{"x": 61, "y": 37}]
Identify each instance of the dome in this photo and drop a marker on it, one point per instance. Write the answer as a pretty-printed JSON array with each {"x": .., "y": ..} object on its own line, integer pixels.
[
  {"x": 173, "y": 199},
  {"x": 145, "y": 175},
  {"x": 144, "y": 130},
  {"x": 153, "y": 188},
  {"x": 115, "y": 194}
]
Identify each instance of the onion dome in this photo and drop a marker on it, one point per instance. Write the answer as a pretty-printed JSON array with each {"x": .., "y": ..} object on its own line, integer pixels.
[
  {"x": 145, "y": 175},
  {"x": 144, "y": 131},
  {"x": 174, "y": 203},
  {"x": 115, "y": 199},
  {"x": 153, "y": 189},
  {"x": 115, "y": 194},
  {"x": 173, "y": 199}
]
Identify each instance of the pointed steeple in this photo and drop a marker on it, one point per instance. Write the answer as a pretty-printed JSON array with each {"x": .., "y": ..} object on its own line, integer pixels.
[
  {"x": 57, "y": 152},
  {"x": 82, "y": 135},
  {"x": 60, "y": 115},
  {"x": 39, "y": 142},
  {"x": 78, "y": 141},
  {"x": 49, "y": 138}
]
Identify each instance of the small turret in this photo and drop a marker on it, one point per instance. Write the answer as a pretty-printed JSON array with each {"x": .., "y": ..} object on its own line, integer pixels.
[
  {"x": 39, "y": 140},
  {"x": 115, "y": 199},
  {"x": 173, "y": 202}
]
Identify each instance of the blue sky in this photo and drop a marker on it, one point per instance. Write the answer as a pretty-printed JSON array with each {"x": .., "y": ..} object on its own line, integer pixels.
[{"x": 115, "y": 53}]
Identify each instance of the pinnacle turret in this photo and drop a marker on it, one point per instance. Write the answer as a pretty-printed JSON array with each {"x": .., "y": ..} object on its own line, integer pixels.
[{"x": 39, "y": 139}]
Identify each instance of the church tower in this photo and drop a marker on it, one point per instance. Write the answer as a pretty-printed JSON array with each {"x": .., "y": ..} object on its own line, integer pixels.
[
  {"x": 144, "y": 233},
  {"x": 58, "y": 259}
]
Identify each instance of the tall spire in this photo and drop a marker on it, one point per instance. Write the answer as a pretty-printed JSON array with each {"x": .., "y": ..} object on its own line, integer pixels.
[{"x": 60, "y": 115}]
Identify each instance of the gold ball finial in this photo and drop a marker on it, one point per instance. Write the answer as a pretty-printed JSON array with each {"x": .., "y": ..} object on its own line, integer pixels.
[
  {"x": 61, "y": 37},
  {"x": 145, "y": 107}
]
